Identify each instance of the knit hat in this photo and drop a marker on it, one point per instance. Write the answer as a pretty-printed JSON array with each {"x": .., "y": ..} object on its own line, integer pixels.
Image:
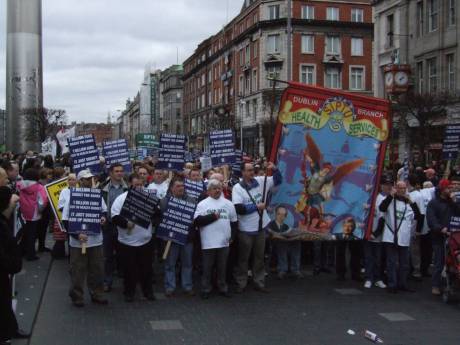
[
  {"x": 5, "y": 197},
  {"x": 444, "y": 183}
]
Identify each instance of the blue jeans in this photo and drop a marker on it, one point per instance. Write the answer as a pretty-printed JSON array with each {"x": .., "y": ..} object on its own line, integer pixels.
[
  {"x": 185, "y": 253},
  {"x": 373, "y": 260},
  {"x": 439, "y": 253},
  {"x": 397, "y": 265},
  {"x": 288, "y": 251}
]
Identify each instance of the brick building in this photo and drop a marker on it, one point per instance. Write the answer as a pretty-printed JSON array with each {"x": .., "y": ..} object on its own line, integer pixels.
[
  {"x": 101, "y": 131},
  {"x": 225, "y": 80}
]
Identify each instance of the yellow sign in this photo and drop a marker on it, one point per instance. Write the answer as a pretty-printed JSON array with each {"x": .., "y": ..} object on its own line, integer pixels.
[{"x": 53, "y": 190}]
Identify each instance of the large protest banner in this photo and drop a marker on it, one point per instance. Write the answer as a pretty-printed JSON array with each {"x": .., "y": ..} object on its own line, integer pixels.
[
  {"x": 53, "y": 190},
  {"x": 329, "y": 147},
  {"x": 116, "y": 151},
  {"x": 85, "y": 211},
  {"x": 84, "y": 153},
  {"x": 139, "y": 207},
  {"x": 171, "y": 155},
  {"x": 176, "y": 221},
  {"x": 451, "y": 143},
  {"x": 222, "y": 147}
]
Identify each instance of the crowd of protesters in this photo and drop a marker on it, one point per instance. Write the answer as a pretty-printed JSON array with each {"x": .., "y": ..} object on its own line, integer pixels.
[{"x": 232, "y": 242}]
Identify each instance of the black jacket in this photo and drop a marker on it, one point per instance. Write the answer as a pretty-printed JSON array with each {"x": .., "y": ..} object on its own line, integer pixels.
[{"x": 438, "y": 214}]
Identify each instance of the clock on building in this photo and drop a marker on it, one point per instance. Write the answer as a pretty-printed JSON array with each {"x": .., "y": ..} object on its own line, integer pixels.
[{"x": 401, "y": 78}]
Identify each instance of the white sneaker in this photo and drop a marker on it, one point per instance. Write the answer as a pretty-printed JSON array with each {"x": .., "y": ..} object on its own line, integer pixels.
[
  {"x": 380, "y": 284},
  {"x": 368, "y": 284}
]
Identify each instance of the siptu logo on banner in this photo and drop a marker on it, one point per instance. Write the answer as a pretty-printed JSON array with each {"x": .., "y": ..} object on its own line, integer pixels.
[
  {"x": 171, "y": 155},
  {"x": 222, "y": 147},
  {"x": 53, "y": 190},
  {"x": 329, "y": 147},
  {"x": 451, "y": 143},
  {"x": 84, "y": 153},
  {"x": 177, "y": 220},
  {"x": 194, "y": 188},
  {"x": 116, "y": 151},
  {"x": 85, "y": 211},
  {"x": 139, "y": 207}
]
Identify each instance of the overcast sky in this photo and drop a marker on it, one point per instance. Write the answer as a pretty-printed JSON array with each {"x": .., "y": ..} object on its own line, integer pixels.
[{"x": 95, "y": 51}]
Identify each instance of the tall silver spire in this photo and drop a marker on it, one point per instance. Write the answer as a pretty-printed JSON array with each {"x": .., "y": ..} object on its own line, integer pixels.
[{"x": 24, "y": 72}]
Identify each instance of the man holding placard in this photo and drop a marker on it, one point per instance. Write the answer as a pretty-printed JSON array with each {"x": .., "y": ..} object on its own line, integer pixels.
[
  {"x": 132, "y": 213},
  {"x": 83, "y": 215},
  {"x": 216, "y": 217},
  {"x": 176, "y": 228},
  {"x": 159, "y": 185}
]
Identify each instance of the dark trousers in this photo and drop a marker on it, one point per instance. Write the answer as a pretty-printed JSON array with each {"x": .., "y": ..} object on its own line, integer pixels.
[
  {"x": 397, "y": 265},
  {"x": 29, "y": 236},
  {"x": 373, "y": 260},
  {"x": 137, "y": 267},
  {"x": 355, "y": 248},
  {"x": 109, "y": 233},
  {"x": 217, "y": 256},
  {"x": 8, "y": 323},
  {"x": 425, "y": 253},
  {"x": 322, "y": 254},
  {"x": 42, "y": 227},
  {"x": 248, "y": 244},
  {"x": 439, "y": 257}
]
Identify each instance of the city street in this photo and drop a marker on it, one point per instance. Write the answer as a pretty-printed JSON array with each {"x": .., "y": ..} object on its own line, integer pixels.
[{"x": 315, "y": 310}]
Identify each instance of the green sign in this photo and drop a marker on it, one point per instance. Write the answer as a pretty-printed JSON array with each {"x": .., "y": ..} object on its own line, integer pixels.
[{"x": 146, "y": 140}]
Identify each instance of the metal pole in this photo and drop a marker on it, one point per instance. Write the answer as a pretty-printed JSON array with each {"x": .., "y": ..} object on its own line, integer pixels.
[
  {"x": 24, "y": 73},
  {"x": 289, "y": 39}
]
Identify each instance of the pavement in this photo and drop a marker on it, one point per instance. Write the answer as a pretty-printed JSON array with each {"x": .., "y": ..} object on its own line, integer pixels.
[{"x": 310, "y": 311}]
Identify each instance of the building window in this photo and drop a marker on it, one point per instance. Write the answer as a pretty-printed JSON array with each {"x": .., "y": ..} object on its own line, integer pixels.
[
  {"x": 273, "y": 72},
  {"x": 241, "y": 57},
  {"x": 273, "y": 44},
  {"x": 356, "y": 46},
  {"x": 247, "y": 105},
  {"x": 433, "y": 15},
  {"x": 420, "y": 18},
  {"x": 333, "y": 77},
  {"x": 209, "y": 98},
  {"x": 248, "y": 84},
  {"x": 254, "y": 80},
  {"x": 452, "y": 4},
  {"x": 241, "y": 85},
  {"x": 255, "y": 50},
  {"x": 307, "y": 74},
  {"x": 357, "y": 15},
  {"x": 332, "y": 13},
  {"x": 273, "y": 12},
  {"x": 390, "y": 30},
  {"x": 203, "y": 79},
  {"x": 420, "y": 84},
  {"x": 203, "y": 100},
  {"x": 450, "y": 62},
  {"x": 356, "y": 78},
  {"x": 254, "y": 109},
  {"x": 308, "y": 44},
  {"x": 432, "y": 75},
  {"x": 247, "y": 54},
  {"x": 209, "y": 76},
  {"x": 333, "y": 45},
  {"x": 254, "y": 18},
  {"x": 308, "y": 12}
]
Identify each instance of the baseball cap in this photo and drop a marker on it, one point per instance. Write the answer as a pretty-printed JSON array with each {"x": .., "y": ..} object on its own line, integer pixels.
[
  {"x": 86, "y": 173},
  {"x": 444, "y": 183}
]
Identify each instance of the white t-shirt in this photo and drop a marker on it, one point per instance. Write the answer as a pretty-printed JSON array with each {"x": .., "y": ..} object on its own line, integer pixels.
[
  {"x": 405, "y": 222},
  {"x": 218, "y": 233},
  {"x": 138, "y": 235},
  {"x": 377, "y": 214},
  {"x": 250, "y": 222},
  {"x": 93, "y": 240},
  {"x": 427, "y": 195},
  {"x": 63, "y": 197},
  {"x": 159, "y": 189}
]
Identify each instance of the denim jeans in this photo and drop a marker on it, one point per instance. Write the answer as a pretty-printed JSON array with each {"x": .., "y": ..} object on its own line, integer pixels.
[
  {"x": 373, "y": 260},
  {"x": 186, "y": 254},
  {"x": 288, "y": 251},
  {"x": 397, "y": 265},
  {"x": 439, "y": 253}
]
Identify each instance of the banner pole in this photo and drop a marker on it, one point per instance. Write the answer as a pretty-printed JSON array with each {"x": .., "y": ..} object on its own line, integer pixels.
[
  {"x": 447, "y": 171},
  {"x": 83, "y": 248},
  {"x": 166, "y": 252}
]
